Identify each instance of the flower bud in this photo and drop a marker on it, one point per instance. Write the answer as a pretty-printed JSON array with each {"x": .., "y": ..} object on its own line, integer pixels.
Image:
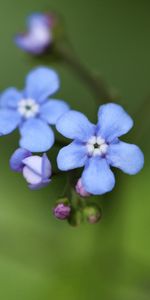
[
  {"x": 37, "y": 171},
  {"x": 40, "y": 33},
  {"x": 80, "y": 189},
  {"x": 62, "y": 211},
  {"x": 92, "y": 213}
]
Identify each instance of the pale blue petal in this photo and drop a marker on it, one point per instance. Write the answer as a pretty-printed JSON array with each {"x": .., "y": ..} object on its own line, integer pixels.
[
  {"x": 113, "y": 121},
  {"x": 17, "y": 157},
  {"x": 72, "y": 156},
  {"x": 39, "y": 186},
  {"x": 75, "y": 125},
  {"x": 9, "y": 120},
  {"x": 41, "y": 83},
  {"x": 46, "y": 167},
  {"x": 127, "y": 157},
  {"x": 37, "y": 171},
  {"x": 37, "y": 136},
  {"x": 97, "y": 177},
  {"x": 52, "y": 110},
  {"x": 37, "y": 19},
  {"x": 10, "y": 98},
  {"x": 27, "y": 43}
]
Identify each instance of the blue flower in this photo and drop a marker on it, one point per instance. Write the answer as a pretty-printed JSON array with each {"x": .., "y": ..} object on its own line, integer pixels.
[
  {"x": 97, "y": 147},
  {"x": 32, "y": 111},
  {"x": 40, "y": 33},
  {"x": 35, "y": 169}
]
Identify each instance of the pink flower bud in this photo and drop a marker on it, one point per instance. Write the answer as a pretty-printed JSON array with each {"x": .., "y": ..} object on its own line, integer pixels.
[
  {"x": 62, "y": 211},
  {"x": 80, "y": 189}
]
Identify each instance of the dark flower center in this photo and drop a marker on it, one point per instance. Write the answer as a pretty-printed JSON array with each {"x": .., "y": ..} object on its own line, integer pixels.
[
  {"x": 28, "y": 107},
  {"x": 96, "y": 146}
]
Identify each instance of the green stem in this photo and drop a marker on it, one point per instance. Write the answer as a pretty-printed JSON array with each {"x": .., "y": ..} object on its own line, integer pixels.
[{"x": 96, "y": 84}]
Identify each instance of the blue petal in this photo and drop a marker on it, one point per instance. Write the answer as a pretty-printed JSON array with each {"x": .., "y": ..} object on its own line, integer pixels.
[
  {"x": 39, "y": 186},
  {"x": 127, "y": 157},
  {"x": 46, "y": 167},
  {"x": 72, "y": 156},
  {"x": 27, "y": 43},
  {"x": 75, "y": 125},
  {"x": 36, "y": 19},
  {"x": 113, "y": 121},
  {"x": 9, "y": 120},
  {"x": 52, "y": 110},
  {"x": 16, "y": 159},
  {"x": 97, "y": 177},
  {"x": 37, "y": 136},
  {"x": 37, "y": 171},
  {"x": 34, "y": 168},
  {"x": 10, "y": 98},
  {"x": 41, "y": 83}
]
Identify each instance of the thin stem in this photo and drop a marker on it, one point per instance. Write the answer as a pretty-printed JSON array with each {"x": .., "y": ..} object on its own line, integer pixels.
[
  {"x": 56, "y": 173},
  {"x": 96, "y": 84}
]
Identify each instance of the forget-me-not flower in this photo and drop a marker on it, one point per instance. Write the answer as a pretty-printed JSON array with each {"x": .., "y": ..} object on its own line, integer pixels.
[
  {"x": 97, "y": 147},
  {"x": 40, "y": 33},
  {"x": 32, "y": 110},
  {"x": 36, "y": 170}
]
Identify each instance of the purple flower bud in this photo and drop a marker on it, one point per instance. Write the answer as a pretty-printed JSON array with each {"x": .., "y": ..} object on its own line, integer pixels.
[
  {"x": 62, "y": 211},
  {"x": 37, "y": 171},
  {"x": 80, "y": 189}
]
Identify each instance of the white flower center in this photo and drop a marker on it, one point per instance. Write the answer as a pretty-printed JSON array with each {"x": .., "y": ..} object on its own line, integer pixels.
[
  {"x": 28, "y": 108},
  {"x": 96, "y": 146}
]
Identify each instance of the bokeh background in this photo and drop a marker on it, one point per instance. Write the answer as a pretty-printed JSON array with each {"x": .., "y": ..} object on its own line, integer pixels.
[{"x": 40, "y": 257}]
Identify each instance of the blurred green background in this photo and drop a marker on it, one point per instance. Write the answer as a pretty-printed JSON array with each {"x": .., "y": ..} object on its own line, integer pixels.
[{"x": 40, "y": 257}]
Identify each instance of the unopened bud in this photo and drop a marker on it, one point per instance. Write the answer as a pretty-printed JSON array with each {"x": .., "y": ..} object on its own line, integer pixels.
[
  {"x": 62, "y": 211},
  {"x": 40, "y": 34},
  {"x": 80, "y": 189},
  {"x": 37, "y": 171},
  {"x": 92, "y": 213}
]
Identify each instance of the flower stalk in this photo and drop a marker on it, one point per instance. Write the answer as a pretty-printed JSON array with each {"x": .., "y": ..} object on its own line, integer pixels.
[{"x": 94, "y": 83}]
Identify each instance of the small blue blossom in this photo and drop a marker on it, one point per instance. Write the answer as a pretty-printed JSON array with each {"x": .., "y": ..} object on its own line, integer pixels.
[
  {"x": 40, "y": 33},
  {"x": 35, "y": 169},
  {"x": 97, "y": 147},
  {"x": 31, "y": 110}
]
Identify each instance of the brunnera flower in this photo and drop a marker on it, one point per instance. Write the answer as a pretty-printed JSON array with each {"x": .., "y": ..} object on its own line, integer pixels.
[
  {"x": 39, "y": 35},
  {"x": 32, "y": 110},
  {"x": 98, "y": 147}
]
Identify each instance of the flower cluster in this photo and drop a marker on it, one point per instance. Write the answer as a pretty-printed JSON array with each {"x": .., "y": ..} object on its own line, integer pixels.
[{"x": 95, "y": 148}]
